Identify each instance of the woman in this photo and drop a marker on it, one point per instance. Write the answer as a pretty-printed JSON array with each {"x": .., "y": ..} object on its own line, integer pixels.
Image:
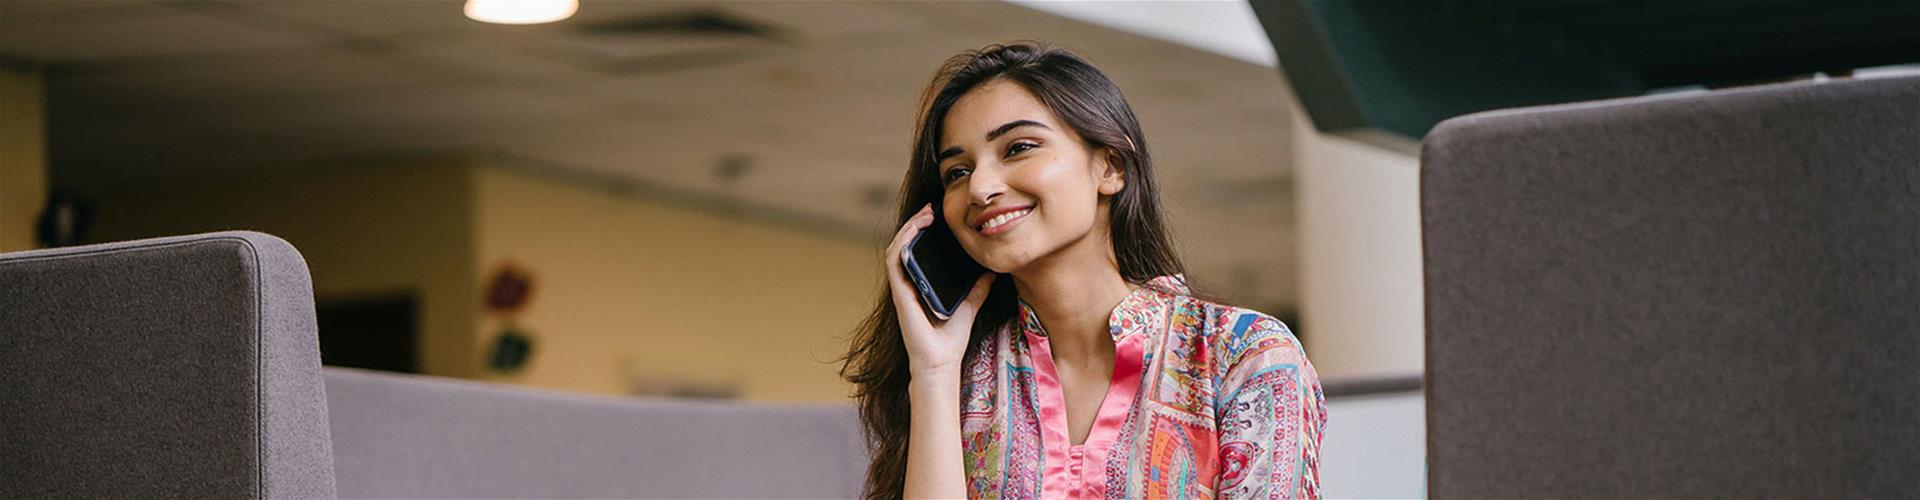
[{"x": 1090, "y": 370}]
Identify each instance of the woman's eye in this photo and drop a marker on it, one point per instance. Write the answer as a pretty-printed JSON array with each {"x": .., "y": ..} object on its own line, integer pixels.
[
  {"x": 954, "y": 174},
  {"x": 1020, "y": 147}
]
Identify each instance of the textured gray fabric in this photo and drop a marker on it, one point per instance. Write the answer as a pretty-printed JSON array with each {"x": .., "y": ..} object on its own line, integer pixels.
[
  {"x": 421, "y": 437},
  {"x": 171, "y": 367},
  {"x": 1711, "y": 295}
]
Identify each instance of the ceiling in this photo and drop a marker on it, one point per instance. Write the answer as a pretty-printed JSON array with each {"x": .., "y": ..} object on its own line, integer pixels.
[
  {"x": 1402, "y": 66},
  {"x": 795, "y": 111},
  {"x": 1711, "y": 42}
]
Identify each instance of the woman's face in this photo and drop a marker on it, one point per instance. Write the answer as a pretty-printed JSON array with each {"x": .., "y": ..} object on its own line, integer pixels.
[{"x": 1019, "y": 184}]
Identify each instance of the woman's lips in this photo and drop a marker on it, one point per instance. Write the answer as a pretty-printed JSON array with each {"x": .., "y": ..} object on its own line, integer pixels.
[{"x": 990, "y": 229}]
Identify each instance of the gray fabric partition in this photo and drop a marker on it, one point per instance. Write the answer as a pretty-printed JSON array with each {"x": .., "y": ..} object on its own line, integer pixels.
[
  {"x": 401, "y": 436},
  {"x": 1712, "y": 295},
  {"x": 183, "y": 367}
]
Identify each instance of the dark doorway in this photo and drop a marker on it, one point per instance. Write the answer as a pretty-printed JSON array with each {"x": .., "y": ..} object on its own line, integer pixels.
[{"x": 374, "y": 332}]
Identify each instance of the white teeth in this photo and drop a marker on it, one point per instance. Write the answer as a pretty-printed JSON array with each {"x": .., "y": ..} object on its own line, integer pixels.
[{"x": 1003, "y": 218}]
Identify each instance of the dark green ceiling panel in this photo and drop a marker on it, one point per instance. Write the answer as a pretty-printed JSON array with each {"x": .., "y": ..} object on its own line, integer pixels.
[{"x": 1402, "y": 66}]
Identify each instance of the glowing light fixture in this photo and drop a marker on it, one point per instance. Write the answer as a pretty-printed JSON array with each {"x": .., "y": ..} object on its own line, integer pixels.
[{"x": 521, "y": 11}]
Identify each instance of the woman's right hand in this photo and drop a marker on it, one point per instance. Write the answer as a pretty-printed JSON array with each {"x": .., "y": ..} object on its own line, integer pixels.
[{"x": 933, "y": 346}]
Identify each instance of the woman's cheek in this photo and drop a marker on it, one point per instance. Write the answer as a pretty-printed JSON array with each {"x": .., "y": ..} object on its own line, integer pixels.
[
  {"x": 953, "y": 210},
  {"x": 1062, "y": 189},
  {"x": 1058, "y": 175}
]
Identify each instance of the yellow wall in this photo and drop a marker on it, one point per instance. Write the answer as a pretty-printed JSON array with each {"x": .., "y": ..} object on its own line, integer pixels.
[
  {"x": 624, "y": 286},
  {"x": 362, "y": 231},
  {"x": 624, "y": 283},
  {"x": 23, "y": 157}
]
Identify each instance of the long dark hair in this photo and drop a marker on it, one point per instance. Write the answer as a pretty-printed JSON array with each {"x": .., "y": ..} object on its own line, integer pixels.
[{"x": 1083, "y": 97}]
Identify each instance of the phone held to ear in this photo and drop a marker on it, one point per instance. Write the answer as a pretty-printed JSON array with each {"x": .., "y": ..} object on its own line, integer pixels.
[{"x": 941, "y": 271}]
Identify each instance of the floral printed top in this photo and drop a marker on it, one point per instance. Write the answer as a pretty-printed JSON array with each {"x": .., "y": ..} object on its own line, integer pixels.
[{"x": 1206, "y": 401}]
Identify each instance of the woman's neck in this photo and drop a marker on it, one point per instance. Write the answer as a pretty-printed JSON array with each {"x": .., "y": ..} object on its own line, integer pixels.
[{"x": 1074, "y": 297}]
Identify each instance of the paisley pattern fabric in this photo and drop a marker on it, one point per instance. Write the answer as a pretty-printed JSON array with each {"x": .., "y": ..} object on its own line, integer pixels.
[{"x": 1207, "y": 401}]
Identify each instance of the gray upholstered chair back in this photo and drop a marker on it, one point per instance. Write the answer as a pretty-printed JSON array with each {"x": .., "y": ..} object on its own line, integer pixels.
[
  {"x": 183, "y": 367},
  {"x": 1711, "y": 295}
]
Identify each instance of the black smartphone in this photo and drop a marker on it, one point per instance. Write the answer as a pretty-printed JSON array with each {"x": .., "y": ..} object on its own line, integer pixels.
[{"x": 940, "y": 270}]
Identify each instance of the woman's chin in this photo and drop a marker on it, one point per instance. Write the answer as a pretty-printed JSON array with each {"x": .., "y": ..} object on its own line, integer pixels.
[
  {"x": 1004, "y": 256},
  {"x": 1005, "y": 262}
]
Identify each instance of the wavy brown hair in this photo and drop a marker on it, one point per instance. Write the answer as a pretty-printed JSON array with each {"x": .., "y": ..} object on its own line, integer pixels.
[{"x": 1083, "y": 97}]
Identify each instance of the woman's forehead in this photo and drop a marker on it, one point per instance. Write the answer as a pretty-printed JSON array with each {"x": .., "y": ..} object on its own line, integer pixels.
[{"x": 989, "y": 106}]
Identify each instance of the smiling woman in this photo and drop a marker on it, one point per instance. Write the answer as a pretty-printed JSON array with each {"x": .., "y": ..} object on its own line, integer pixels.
[{"x": 1094, "y": 372}]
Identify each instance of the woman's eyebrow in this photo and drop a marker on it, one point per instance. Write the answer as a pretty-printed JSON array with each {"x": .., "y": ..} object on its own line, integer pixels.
[
  {"x": 948, "y": 153},
  {"x": 997, "y": 132},
  {"x": 1013, "y": 125}
]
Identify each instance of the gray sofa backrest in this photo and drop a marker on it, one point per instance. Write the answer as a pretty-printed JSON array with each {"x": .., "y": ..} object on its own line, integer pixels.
[
  {"x": 183, "y": 367},
  {"x": 401, "y": 436},
  {"x": 1712, "y": 295}
]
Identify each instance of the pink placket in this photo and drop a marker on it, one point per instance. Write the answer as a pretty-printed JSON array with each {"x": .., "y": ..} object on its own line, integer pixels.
[{"x": 1080, "y": 471}]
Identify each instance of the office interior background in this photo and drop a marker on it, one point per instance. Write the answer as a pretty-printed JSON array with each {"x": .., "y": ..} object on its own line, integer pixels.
[{"x": 688, "y": 199}]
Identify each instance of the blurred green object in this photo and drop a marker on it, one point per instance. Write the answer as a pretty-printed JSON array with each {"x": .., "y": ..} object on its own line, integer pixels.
[{"x": 510, "y": 351}]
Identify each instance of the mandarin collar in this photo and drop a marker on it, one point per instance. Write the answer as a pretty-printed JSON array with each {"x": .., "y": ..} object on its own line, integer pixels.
[{"x": 1143, "y": 307}]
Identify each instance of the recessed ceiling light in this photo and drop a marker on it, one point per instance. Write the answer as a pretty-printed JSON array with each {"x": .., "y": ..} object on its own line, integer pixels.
[{"x": 521, "y": 11}]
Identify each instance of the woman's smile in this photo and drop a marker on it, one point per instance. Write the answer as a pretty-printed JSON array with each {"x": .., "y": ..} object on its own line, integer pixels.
[{"x": 1004, "y": 222}]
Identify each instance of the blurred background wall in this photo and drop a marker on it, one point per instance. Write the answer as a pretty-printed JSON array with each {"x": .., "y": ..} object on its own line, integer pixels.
[
  {"x": 1360, "y": 270},
  {"x": 23, "y": 154},
  {"x": 628, "y": 290},
  {"x": 636, "y": 291},
  {"x": 365, "y": 230}
]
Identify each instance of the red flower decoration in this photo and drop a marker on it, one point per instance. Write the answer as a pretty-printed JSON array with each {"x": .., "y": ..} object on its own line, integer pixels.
[{"x": 507, "y": 292}]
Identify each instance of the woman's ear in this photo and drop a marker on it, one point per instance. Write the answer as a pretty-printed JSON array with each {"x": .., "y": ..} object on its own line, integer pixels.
[{"x": 1112, "y": 178}]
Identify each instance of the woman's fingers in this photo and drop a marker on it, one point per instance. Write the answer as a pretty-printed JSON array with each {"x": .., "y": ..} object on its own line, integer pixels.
[
  {"x": 899, "y": 288},
  {"x": 974, "y": 298},
  {"x": 906, "y": 232},
  {"x": 900, "y": 238}
]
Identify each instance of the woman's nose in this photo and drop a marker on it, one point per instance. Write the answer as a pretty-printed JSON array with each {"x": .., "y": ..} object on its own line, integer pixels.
[{"x": 985, "y": 184}]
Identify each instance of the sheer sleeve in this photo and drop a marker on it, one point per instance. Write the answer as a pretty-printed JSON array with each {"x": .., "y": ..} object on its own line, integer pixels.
[{"x": 1271, "y": 411}]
